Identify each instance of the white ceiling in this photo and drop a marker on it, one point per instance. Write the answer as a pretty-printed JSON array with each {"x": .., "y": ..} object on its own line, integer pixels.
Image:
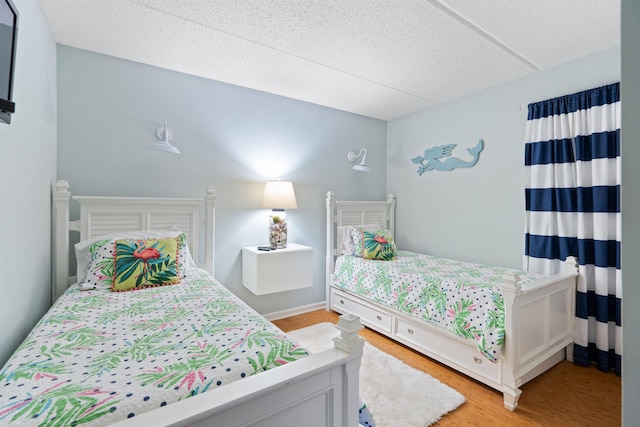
[{"x": 378, "y": 58}]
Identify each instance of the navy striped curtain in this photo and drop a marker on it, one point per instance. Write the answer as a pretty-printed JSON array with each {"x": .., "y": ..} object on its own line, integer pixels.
[{"x": 572, "y": 162}]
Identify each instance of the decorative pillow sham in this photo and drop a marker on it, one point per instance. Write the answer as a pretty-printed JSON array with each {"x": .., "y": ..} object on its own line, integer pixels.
[
  {"x": 357, "y": 237},
  {"x": 147, "y": 263},
  {"x": 99, "y": 271},
  {"x": 348, "y": 245},
  {"x": 376, "y": 244}
]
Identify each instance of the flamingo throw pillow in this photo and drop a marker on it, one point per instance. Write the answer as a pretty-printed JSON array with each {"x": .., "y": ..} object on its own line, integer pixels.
[
  {"x": 377, "y": 245},
  {"x": 145, "y": 263}
]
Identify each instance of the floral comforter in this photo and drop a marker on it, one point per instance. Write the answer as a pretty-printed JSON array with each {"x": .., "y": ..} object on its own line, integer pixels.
[
  {"x": 100, "y": 356},
  {"x": 461, "y": 297}
]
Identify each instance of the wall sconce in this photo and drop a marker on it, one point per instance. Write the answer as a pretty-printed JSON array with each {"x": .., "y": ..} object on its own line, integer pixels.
[
  {"x": 164, "y": 135},
  {"x": 362, "y": 166},
  {"x": 278, "y": 195}
]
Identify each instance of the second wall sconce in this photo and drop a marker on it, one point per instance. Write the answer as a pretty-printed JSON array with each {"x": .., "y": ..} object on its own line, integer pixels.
[
  {"x": 164, "y": 135},
  {"x": 362, "y": 166}
]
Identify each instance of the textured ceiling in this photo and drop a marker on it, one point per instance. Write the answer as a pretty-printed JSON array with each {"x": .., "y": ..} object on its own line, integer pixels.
[{"x": 378, "y": 58}]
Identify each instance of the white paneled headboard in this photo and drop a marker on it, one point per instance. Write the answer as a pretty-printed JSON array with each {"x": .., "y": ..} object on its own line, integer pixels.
[
  {"x": 347, "y": 212},
  {"x": 105, "y": 215}
]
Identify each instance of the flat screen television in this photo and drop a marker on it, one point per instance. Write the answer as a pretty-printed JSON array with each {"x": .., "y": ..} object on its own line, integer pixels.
[{"x": 8, "y": 38}]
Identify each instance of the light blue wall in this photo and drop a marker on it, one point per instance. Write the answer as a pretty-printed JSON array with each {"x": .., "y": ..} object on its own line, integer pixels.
[
  {"x": 231, "y": 138},
  {"x": 630, "y": 141},
  {"x": 110, "y": 108},
  {"x": 27, "y": 171},
  {"x": 477, "y": 214}
]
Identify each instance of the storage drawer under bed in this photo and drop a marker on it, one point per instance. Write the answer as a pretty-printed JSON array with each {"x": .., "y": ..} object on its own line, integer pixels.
[
  {"x": 427, "y": 339},
  {"x": 443, "y": 348},
  {"x": 369, "y": 314}
]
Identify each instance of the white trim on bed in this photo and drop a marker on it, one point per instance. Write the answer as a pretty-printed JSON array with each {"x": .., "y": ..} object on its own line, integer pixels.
[
  {"x": 539, "y": 316},
  {"x": 321, "y": 389}
]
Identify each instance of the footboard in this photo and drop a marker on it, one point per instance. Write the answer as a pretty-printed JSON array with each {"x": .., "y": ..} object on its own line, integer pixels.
[
  {"x": 320, "y": 390},
  {"x": 539, "y": 326}
]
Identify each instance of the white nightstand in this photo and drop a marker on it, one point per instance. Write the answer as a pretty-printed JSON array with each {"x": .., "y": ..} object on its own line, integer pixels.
[{"x": 266, "y": 272}]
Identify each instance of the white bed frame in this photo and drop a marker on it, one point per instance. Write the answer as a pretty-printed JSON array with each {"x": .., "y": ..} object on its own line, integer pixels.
[
  {"x": 539, "y": 316},
  {"x": 321, "y": 389}
]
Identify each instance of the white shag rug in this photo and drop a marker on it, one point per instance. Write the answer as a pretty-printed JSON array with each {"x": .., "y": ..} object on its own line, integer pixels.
[{"x": 396, "y": 394}]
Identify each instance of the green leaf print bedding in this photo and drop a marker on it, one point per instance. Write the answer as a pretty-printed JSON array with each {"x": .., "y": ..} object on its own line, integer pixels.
[
  {"x": 99, "y": 356},
  {"x": 461, "y": 297}
]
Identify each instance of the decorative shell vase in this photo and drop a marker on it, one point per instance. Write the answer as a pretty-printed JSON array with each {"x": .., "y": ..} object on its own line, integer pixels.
[{"x": 278, "y": 229}]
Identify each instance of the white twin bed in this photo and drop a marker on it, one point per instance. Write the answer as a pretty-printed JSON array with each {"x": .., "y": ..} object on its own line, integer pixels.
[
  {"x": 500, "y": 326},
  {"x": 178, "y": 354}
]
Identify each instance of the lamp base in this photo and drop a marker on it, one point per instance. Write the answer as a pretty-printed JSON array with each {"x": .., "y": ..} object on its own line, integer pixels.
[{"x": 278, "y": 229}]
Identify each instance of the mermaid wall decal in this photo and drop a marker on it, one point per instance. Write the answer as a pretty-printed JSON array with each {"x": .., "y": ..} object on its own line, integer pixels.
[{"x": 431, "y": 158}]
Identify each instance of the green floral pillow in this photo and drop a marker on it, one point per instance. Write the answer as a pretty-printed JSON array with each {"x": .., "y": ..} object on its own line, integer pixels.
[
  {"x": 377, "y": 245},
  {"x": 145, "y": 263},
  {"x": 357, "y": 236}
]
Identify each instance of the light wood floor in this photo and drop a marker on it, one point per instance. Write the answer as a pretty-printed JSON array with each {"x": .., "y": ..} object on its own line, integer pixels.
[{"x": 566, "y": 395}]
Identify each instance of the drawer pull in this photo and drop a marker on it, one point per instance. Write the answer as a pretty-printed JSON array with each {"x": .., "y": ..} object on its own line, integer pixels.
[
  {"x": 477, "y": 360},
  {"x": 410, "y": 331},
  {"x": 341, "y": 301},
  {"x": 379, "y": 317}
]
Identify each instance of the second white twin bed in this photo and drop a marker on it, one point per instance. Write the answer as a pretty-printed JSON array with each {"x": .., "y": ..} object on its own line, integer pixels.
[{"x": 500, "y": 326}]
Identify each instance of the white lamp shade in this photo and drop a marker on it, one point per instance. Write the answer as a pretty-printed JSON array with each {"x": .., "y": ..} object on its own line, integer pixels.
[
  {"x": 362, "y": 167},
  {"x": 163, "y": 146},
  {"x": 279, "y": 195}
]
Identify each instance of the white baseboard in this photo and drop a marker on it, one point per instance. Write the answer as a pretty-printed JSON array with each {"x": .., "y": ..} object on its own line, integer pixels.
[{"x": 294, "y": 311}]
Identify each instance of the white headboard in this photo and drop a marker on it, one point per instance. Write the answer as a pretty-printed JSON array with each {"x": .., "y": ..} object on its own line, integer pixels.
[
  {"x": 344, "y": 212},
  {"x": 105, "y": 215}
]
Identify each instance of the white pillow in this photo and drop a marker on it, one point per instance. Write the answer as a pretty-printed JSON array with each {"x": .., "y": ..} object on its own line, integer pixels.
[
  {"x": 348, "y": 245},
  {"x": 83, "y": 254}
]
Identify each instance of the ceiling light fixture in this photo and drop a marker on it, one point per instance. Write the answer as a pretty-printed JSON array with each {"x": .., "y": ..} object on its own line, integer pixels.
[
  {"x": 362, "y": 166},
  {"x": 164, "y": 135}
]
